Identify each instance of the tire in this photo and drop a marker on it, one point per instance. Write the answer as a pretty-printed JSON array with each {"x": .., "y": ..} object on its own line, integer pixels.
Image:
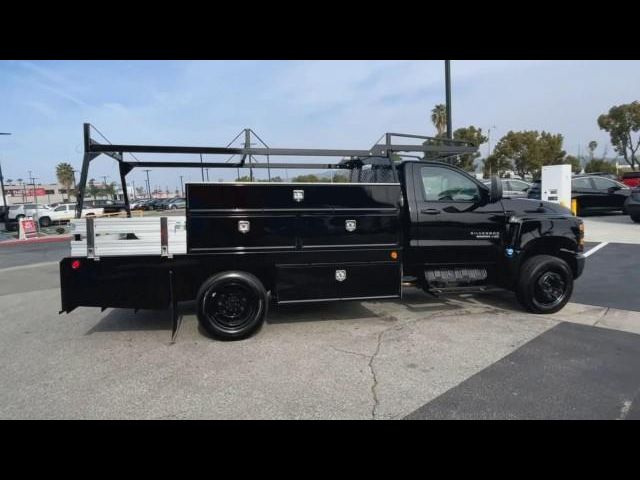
[
  {"x": 45, "y": 222},
  {"x": 231, "y": 305},
  {"x": 635, "y": 218},
  {"x": 545, "y": 284}
]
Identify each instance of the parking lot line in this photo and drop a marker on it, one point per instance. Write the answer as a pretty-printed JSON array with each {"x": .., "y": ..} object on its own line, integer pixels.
[
  {"x": 596, "y": 248},
  {"x": 32, "y": 265}
]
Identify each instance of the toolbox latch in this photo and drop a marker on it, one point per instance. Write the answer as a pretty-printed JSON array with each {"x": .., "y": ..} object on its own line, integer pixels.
[
  {"x": 298, "y": 195},
  {"x": 244, "y": 226},
  {"x": 350, "y": 225}
]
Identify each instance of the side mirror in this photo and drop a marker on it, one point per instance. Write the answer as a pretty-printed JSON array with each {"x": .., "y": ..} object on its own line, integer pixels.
[{"x": 495, "y": 193}]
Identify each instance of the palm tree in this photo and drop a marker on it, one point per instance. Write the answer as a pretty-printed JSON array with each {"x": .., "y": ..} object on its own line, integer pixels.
[
  {"x": 64, "y": 174},
  {"x": 439, "y": 119}
]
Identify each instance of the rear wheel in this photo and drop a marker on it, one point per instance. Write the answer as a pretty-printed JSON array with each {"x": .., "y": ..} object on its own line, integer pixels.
[
  {"x": 635, "y": 218},
  {"x": 45, "y": 221},
  {"x": 232, "y": 305},
  {"x": 545, "y": 284}
]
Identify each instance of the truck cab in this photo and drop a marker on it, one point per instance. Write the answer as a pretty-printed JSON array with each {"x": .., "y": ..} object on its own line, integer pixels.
[{"x": 460, "y": 235}]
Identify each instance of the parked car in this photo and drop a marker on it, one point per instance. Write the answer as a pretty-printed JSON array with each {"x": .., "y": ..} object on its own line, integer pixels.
[
  {"x": 512, "y": 187},
  {"x": 631, "y": 179},
  {"x": 67, "y": 211},
  {"x": 593, "y": 194},
  {"x": 23, "y": 210},
  {"x": 632, "y": 205},
  {"x": 139, "y": 204},
  {"x": 610, "y": 176},
  {"x": 108, "y": 206},
  {"x": 177, "y": 203}
]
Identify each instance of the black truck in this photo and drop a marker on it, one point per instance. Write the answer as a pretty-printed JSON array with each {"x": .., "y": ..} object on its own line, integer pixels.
[{"x": 396, "y": 222}]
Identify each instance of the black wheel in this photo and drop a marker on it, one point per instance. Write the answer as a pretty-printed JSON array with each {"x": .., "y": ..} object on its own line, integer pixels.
[
  {"x": 45, "y": 222},
  {"x": 545, "y": 284},
  {"x": 635, "y": 218},
  {"x": 232, "y": 305}
]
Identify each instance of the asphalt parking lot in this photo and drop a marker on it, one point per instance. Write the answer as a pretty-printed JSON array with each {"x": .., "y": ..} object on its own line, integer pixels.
[{"x": 462, "y": 356}]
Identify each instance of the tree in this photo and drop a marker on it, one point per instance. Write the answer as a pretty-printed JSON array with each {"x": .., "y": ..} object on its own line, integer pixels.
[
  {"x": 439, "y": 119},
  {"x": 475, "y": 136},
  {"x": 622, "y": 122},
  {"x": 493, "y": 165},
  {"x": 64, "y": 174},
  {"x": 576, "y": 165},
  {"x": 340, "y": 178},
  {"x": 110, "y": 189},
  {"x": 529, "y": 150},
  {"x": 311, "y": 178},
  {"x": 599, "y": 165},
  {"x": 142, "y": 192}
]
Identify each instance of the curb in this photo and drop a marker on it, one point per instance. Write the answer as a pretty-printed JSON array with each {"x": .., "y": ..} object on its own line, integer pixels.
[{"x": 51, "y": 239}]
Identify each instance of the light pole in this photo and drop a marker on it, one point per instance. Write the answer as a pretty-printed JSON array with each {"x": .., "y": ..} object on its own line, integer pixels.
[
  {"x": 104, "y": 182},
  {"x": 75, "y": 188},
  {"x": 447, "y": 78},
  {"x": 4, "y": 198},
  {"x": 148, "y": 184},
  {"x": 181, "y": 186}
]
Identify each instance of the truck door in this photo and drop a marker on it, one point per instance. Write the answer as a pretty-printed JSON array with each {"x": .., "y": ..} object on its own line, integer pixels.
[{"x": 454, "y": 226}]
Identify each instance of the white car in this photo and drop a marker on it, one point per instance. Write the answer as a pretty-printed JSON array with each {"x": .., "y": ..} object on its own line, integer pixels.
[
  {"x": 23, "y": 210},
  {"x": 65, "y": 212}
]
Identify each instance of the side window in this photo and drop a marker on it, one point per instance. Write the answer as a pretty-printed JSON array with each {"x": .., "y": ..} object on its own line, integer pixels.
[
  {"x": 603, "y": 183},
  {"x": 61, "y": 208},
  {"x": 444, "y": 185},
  {"x": 581, "y": 183}
]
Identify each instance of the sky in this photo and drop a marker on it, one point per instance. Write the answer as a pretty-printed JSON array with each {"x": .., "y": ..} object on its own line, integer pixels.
[{"x": 305, "y": 104}]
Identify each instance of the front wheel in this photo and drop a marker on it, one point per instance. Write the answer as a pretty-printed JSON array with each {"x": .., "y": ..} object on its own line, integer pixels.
[
  {"x": 635, "y": 218},
  {"x": 45, "y": 221},
  {"x": 545, "y": 284},
  {"x": 232, "y": 305}
]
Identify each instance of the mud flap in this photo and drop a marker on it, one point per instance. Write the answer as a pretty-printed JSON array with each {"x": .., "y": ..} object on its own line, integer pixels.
[{"x": 176, "y": 318}]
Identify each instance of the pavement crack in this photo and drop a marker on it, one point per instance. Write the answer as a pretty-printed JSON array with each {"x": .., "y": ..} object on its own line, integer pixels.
[
  {"x": 374, "y": 377},
  {"x": 349, "y": 352},
  {"x": 604, "y": 314}
]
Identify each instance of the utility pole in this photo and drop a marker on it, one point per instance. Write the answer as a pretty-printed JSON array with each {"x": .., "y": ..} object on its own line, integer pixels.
[
  {"x": 4, "y": 198},
  {"x": 181, "y": 186},
  {"x": 148, "y": 184},
  {"x": 75, "y": 188},
  {"x": 35, "y": 197},
  {"x": 104, "y": 182},
  {"x": 447, "y": 75},
  {"x": 201, "y": 168}
]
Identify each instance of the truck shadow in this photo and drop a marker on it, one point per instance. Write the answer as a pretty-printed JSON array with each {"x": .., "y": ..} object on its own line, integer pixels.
[
  {"x": 414, "y": 300},
  {"x": 319, "y": 312}
]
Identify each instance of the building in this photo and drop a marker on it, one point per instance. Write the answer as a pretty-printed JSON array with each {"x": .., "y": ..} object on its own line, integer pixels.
[{"x": 49, "y": 193}]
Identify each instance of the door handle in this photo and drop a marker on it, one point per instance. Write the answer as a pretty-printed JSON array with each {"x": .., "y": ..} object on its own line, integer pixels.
[{"x": 430, "y": 211}]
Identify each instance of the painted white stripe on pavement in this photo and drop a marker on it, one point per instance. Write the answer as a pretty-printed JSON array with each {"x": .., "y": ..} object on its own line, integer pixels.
[
  {"x": 32, "y": 265},
  {"x": 596, "y": 248}
]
